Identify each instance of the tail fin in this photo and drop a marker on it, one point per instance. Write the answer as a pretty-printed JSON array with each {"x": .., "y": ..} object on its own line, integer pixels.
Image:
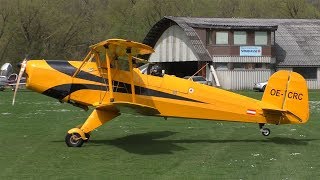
[{"x": 287, "y": 91}]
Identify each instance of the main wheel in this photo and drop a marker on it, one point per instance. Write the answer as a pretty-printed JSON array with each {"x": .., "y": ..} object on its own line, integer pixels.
[
  {"x": 265, "y": 131},
  {"x": 74, "y": 140}
]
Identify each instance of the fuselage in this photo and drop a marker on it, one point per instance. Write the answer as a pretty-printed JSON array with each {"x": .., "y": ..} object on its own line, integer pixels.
[
  {"x": 172, "y": 96},
  {"x": 106, "y": 80}
]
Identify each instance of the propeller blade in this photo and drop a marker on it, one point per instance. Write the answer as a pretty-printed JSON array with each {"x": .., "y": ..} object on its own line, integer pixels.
[{"x": 23, "y": 67}]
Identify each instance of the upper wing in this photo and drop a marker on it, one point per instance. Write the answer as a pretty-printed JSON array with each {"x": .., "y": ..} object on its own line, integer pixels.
[
  {"x": 128, "y": 107},
  {"x": 120, "y": 46}
]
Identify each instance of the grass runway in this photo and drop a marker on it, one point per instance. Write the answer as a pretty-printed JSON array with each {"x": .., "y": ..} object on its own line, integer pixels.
[{"x": 138, "y": 147}]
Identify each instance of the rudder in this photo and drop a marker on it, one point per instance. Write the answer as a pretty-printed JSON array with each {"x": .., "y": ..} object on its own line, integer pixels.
[{"x": 287, "y": 91}]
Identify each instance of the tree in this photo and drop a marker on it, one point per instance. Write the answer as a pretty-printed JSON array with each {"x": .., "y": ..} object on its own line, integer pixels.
[
  {"x": 298, "y": 9},
  {"x": 4, "y": 30},
  {"x": 64, "y": 29},
  {"x": 228, "y": 9}
]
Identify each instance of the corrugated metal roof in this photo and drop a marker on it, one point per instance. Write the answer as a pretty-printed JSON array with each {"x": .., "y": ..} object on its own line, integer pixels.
[
  {"x": 227, "y": 23},
  {"x": 297, "y": 40}
]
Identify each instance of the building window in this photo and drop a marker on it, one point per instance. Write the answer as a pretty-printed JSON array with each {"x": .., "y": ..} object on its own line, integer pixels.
[
  {"x": 259, "y": 65},
  {"x": 240, "y": 38},
  {"x": 260, "y": 38},
  {"x": 232, "y": 66},
  {"x": 221, "y": 65},
  {"x": 250, "y": 65},
  {"x": 222, "y": 38},
  {"x": 238, "y": 66},
  {"x": 208, "y": 37},
  {"x": 306, "y": 72}
]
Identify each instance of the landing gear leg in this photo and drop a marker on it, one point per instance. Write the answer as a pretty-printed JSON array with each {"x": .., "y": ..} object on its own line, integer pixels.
[
  {"x": 264, "y": 131},
  {"x": 76, "y": 136}
]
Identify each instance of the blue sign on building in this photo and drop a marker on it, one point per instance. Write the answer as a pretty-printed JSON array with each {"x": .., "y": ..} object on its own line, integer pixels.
[{"x": 250, "y": 51}]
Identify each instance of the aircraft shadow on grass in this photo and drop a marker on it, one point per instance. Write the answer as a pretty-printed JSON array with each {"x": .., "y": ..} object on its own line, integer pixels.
[{"x": 151, "y": 143}]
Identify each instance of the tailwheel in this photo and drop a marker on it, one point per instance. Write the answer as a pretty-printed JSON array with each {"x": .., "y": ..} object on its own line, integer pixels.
[
  {"x": 74, "y": 140},
  {"x": 265, "y": 131}
]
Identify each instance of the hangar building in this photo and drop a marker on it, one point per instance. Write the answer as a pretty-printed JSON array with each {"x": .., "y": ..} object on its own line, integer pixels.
[{"x": 236, "y": 53}]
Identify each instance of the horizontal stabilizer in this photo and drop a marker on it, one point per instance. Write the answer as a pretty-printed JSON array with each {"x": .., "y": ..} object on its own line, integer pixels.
[
  {"x": 272, "y": 108},
  {"x": 134, "y": 108}
]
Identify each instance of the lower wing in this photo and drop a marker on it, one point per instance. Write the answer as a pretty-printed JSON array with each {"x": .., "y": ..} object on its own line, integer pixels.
[{"x": 129, "y": 108}]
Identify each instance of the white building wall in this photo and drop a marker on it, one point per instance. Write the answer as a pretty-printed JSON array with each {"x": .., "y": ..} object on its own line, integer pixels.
[
  {"x": 318, "y": 78},
  {"x": 241, "y": 79},
  {"x": 173, "y": 46},
  {"x": 312, "y": 84}
]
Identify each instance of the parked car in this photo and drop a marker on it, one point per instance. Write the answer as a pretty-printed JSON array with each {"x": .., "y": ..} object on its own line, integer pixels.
[
  {"x": 260, "y": 86},
  {"x": 12, "y": 81},
  {"x": 5, "y": 71},
  {"x": 198, "y": 79},
  {"x": 3, "y": 82}
]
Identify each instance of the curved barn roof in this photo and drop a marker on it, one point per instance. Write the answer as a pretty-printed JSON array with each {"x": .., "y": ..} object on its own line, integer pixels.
[{"x": 157, "y": 30}]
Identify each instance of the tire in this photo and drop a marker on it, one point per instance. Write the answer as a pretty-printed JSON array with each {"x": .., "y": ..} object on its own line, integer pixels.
[
  {"x": 263, "y": 88},
  {"x": 74, "y": 140},
  {"x": 265, "y": 132}
]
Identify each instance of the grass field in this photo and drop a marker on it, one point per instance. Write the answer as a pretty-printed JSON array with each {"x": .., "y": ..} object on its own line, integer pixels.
[{"x": 134, "y": 147}]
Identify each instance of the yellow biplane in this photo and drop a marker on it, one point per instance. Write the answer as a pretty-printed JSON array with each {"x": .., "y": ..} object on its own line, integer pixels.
[{"x": 104, "y": 81}]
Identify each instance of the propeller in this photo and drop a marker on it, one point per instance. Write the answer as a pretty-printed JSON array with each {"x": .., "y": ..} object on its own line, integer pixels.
[{"x": 23, "y": 67}]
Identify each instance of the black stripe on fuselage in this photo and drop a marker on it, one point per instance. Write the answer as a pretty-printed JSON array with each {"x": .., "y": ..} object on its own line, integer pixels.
[
  {"x": 66, "y": 68},
  {"x": 151, "y": 92},
  {"x": 63, "y": 90}
]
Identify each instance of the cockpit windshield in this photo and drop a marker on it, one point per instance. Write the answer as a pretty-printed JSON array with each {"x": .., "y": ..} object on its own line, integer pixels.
[{"x": 144, "y": 68}]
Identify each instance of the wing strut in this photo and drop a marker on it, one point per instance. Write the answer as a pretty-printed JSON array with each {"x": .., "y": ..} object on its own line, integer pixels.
[
  {"x": 89, "y": 57},
  {"x": 131, "y": 75},
  {"x": 109, "y": 77}
]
